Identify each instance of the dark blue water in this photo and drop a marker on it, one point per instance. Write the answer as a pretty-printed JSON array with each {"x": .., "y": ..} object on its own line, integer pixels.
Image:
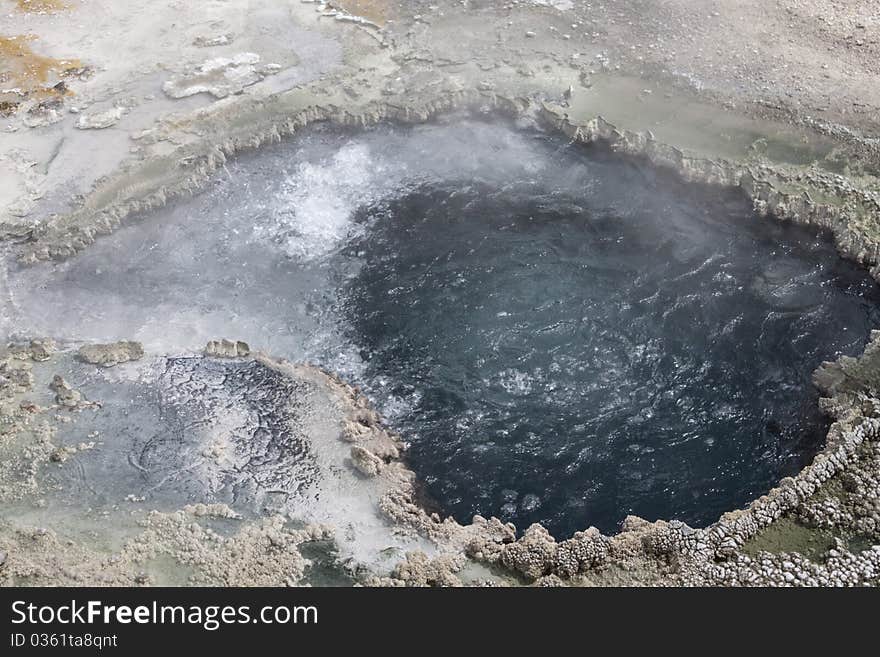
[{"x": 642, "y": 347}]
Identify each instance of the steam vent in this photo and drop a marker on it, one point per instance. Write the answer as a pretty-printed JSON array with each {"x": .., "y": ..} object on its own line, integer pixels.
[{"x": 444, "y": 294}]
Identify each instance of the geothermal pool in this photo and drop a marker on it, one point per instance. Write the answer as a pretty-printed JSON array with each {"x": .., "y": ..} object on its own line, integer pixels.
[{"x": 561, "y": 335}]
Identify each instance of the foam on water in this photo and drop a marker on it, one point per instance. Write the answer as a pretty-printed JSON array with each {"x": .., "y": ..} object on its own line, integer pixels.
[{"x": 316, "y": 202}]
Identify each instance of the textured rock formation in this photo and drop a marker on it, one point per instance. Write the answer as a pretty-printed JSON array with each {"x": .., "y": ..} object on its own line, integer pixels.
[{"x": 108, "y": 355}]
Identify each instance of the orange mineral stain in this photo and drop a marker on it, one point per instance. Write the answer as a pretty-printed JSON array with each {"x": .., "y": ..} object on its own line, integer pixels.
[
  {"x": 375, "y": 11},
  {"x": 25, "y": 74},
  {"x": 41, "y": 6}
]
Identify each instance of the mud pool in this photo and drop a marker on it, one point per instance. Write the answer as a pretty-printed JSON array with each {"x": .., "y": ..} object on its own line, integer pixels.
[{"x": 562, "y": 336}]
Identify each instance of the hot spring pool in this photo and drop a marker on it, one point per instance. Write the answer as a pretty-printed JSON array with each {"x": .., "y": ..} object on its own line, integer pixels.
[{"x": 562, "y": 335}]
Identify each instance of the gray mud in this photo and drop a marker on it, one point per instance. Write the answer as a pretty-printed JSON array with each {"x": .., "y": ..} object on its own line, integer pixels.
[{"x": 195, "y": 431}]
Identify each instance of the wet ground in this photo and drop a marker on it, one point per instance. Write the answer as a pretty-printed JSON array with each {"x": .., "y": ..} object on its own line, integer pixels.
[{"x": 193, "y": 431}]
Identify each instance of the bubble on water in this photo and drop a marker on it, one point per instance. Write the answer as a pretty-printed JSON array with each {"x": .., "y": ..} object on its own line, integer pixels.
[{"x": 313, "y": 211}]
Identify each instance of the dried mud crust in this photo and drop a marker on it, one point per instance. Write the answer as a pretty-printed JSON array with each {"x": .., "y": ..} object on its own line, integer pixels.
[{"x": 264, "y": 552}]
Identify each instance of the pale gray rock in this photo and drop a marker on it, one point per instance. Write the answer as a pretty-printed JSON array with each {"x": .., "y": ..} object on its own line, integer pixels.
[
  {"x": 108, "y": 355},
  {"x": 219, "y": 77},
  {"x": 227, "y": 349},
  {"x": 100, "y": 120},
  {"x": 365, "y": 461}
]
